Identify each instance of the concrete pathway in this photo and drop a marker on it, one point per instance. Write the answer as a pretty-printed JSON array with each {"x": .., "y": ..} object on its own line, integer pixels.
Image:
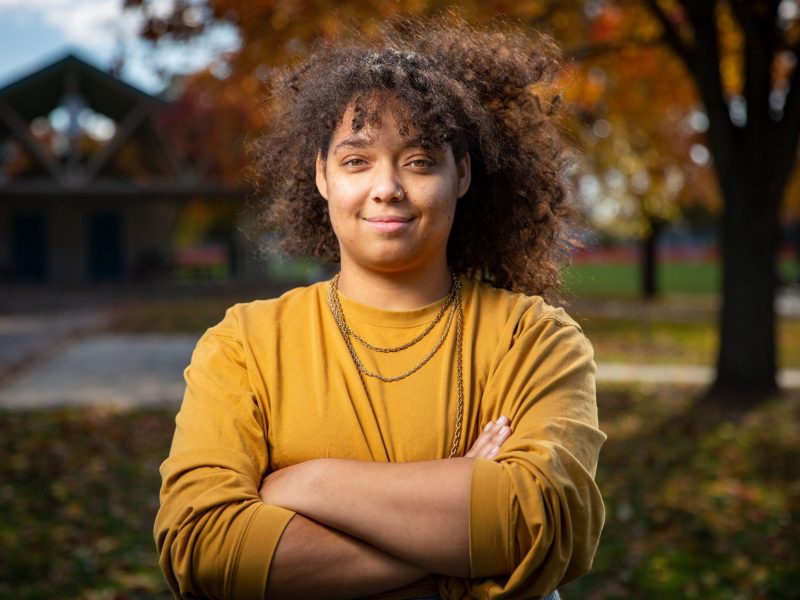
[
  {"x": 121, "y": 370},
  {"x": 128, "y": 370},
  {"x": 678, "y": 374},
  {"x": 26, "y": 337}
]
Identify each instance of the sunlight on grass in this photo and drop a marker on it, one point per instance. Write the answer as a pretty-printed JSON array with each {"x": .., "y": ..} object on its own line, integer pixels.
[{"x": 641, "y": 341}]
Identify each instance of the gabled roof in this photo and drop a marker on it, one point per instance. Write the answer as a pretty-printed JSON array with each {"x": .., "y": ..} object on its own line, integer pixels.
[
  {"x": 137, "y": 161},
  {"x": 38, "y": 93}
]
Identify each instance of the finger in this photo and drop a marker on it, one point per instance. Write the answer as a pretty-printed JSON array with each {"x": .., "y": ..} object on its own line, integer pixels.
[
  {"x": 484, "y": 435},
  {"x": 482, "y": 440},
  {"x": 493, "y": 434},
  {"x": 492, "y": 447},
  {"x": 501, "y": 435}
]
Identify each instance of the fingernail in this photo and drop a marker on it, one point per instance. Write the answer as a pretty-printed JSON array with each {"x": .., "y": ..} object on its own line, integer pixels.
[
  {"x": 503, "y": 420},
  {"x": 488, "y": 426},
  {"x": 505, "y": 430}
]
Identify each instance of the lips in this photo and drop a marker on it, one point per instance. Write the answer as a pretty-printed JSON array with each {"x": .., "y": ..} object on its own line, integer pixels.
[
  {"x": 388, "y": 219},
  {"x": 386, "y": 224}
]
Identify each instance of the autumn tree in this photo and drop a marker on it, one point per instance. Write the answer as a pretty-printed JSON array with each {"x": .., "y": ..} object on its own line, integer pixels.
[
  {"x": 636, "y": 120},
  {"x": 740, "y": 55}
]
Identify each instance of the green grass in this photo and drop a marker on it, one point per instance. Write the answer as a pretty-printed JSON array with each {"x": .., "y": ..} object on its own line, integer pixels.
[
  {"x": 700, "y": 503},
  {"x": 622, "y": 279},
  {"x": 674, "y": 277}
]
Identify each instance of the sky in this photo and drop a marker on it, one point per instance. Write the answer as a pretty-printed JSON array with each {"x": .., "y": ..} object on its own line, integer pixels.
[{"x": 34, "y": 33}]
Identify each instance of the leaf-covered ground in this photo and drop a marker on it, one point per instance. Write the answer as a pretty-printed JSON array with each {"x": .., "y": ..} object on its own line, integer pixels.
[
  {"x": 78, "y": 495},
  {"x": 699, "y": 503}
]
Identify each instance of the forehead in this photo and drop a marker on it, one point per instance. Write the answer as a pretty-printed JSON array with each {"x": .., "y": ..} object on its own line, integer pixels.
[
  {"x": 365, "y": 121},
  {"x": 367, "y": 116}
]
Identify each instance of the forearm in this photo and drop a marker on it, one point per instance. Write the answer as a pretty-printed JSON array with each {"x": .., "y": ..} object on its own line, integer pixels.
[
  {"x": 418, "y": 512},
  {"x": 315, "y": 561}
]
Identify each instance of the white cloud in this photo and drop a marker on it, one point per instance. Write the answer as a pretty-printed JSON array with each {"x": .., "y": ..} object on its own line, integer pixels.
[
  {"x": 93, "y": 24},
  {"x": 102, "y": 28}
]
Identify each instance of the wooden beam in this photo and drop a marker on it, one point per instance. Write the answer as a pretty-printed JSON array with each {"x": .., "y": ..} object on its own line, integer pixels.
[
  {"x": 178, "y": 168},
  {"x": 125, "y": 130},
  {"x": 21, "y": 130}
]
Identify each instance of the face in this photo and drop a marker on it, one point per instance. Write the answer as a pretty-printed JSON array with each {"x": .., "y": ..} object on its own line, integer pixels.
[{"x": 391, "y": 203}]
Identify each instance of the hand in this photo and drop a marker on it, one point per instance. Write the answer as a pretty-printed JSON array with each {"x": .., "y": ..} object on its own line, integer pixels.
[{"x": 491, "y": 438}]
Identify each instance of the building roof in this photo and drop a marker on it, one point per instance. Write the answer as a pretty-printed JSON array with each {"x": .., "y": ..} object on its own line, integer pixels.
[
  {"x": 105, "y": 168},
  {"x": 42, "y": 91}
]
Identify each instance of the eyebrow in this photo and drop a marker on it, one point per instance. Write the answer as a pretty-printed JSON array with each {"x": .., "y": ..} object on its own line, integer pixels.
[
  {"x": 354, "y": 142},
  {"x": 365, "y": 142}
]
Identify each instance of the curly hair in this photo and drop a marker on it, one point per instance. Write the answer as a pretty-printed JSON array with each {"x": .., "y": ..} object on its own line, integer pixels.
[{"x": 480, "y": 90}]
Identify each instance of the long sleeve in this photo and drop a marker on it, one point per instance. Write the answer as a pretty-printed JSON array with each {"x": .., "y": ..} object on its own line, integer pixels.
[
  {"x": 215, "y": 537},
  {"x": 535, "y": 511}
]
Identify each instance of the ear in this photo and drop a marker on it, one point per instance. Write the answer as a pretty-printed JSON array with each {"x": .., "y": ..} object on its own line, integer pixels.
[
  {"x": 464, "y": 168},
  {"x": 321, "y": 179}
]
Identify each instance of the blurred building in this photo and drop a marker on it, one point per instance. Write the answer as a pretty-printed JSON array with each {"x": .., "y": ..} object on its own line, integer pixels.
[{"x": 91, "y": 189}]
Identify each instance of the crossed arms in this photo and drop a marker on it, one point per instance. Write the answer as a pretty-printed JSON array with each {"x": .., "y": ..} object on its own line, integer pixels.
[
  {"x": 390, "y": 523},
  {"x": 532, "y": 517}
]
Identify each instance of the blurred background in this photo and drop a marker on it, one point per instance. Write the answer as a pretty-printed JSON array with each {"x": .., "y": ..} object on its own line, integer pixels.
[{"x": 124, "y": 233}]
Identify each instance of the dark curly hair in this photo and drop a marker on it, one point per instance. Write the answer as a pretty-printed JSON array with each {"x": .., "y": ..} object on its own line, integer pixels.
[{"x": 486, "y": 91}]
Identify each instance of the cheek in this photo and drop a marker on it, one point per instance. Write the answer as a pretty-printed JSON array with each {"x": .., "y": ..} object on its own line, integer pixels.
[
  {"x": 442, "y": 204},
  {"x": 343, "y": 198}
]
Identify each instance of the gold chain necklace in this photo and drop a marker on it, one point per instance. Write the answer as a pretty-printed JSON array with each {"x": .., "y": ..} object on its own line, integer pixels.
[
  {"x": 337, "y": 310},
  {"x": 453, "y": 299}
]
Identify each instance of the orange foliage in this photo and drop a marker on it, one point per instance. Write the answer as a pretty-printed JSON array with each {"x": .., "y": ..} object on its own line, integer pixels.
[{"x": 620, "y": 76}]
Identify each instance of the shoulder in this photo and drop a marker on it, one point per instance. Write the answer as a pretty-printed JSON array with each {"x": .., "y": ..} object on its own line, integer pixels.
[
  {"x": 245, "y": 319},
  {"x": 516, "y": 310}
]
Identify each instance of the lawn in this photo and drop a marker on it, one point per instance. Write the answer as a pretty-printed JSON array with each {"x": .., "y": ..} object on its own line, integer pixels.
[
  {"x": 700, "y": 503},
  {"x": 621, "y": 279}
]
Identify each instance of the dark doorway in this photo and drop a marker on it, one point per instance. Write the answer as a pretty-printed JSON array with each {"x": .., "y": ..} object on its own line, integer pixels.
[
  {"x": 105, "y": 246},
  {"x": 28, "y": 247}
]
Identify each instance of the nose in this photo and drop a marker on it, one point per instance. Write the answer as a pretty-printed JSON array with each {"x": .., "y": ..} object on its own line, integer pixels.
[{"x": 386, "y": 186}]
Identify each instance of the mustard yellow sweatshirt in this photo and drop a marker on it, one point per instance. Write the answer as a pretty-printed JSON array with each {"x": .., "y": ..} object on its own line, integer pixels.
[{"x": 273, "y": 384}]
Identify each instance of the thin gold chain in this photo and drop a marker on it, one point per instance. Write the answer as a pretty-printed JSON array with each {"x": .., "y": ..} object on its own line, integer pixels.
[
  {"x": 457, "y": 310},
  {"x": 337, "y": 310},
  {"x": 342, "y": 324}
]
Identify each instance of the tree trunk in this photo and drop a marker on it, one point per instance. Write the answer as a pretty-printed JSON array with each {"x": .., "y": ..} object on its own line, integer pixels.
[
  {"x": 746, "y": 362},
  {"x": 649, "y": 265}
]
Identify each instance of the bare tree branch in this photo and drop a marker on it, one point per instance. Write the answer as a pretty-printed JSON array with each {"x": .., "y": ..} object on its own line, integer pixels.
[{"x": 671, "y": 35}]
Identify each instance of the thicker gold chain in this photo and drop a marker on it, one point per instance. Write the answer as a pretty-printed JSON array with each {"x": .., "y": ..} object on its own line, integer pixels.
[{"x": 457, "y": 310}]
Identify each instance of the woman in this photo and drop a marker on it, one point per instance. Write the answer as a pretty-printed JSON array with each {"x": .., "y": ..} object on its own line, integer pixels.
[{"x": 415, "y": 427}]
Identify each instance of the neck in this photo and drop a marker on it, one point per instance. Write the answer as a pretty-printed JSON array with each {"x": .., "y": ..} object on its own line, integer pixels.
[{"x": 395, "y": 291}]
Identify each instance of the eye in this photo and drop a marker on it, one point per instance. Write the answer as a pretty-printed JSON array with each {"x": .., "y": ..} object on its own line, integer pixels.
[
  {"x": 355, "y": 162},
  {"x": 420, "y": 163}
]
